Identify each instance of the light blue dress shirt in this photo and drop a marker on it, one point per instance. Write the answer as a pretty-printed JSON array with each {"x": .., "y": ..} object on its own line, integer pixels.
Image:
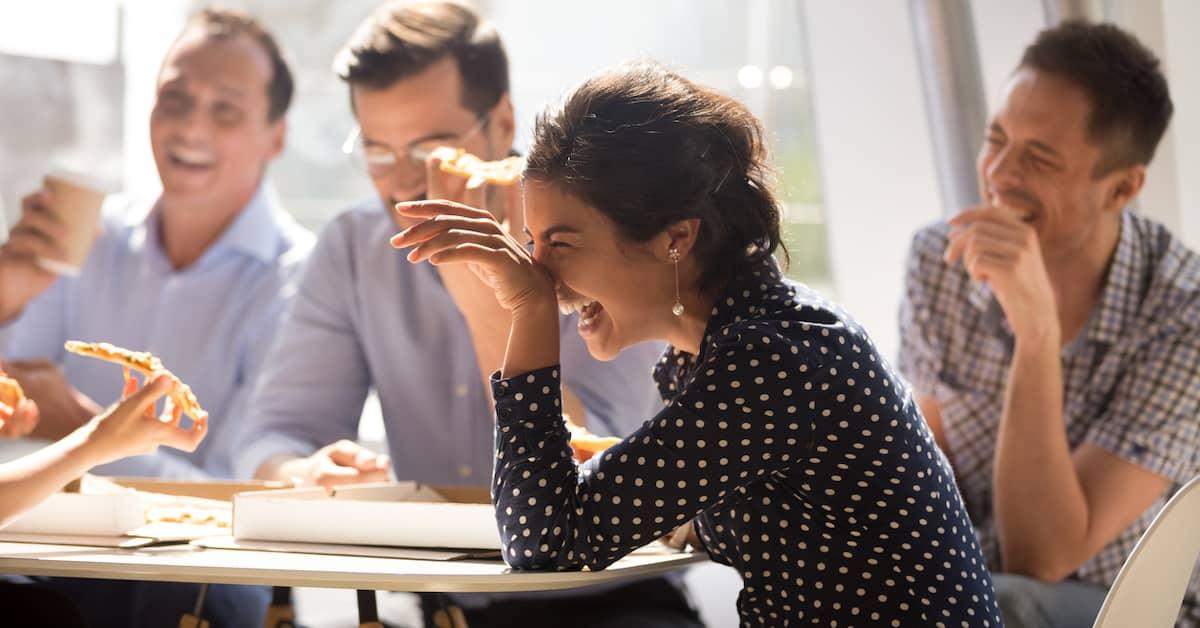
[
  {"x": 364, "y": 318},
  {"x": 211, "y": 323}
]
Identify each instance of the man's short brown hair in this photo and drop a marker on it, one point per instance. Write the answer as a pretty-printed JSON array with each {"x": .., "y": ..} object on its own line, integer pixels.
[
  {"x": 221, "y": 23},
  {"x": 1131, "y": 104},
  {"x": 402, "y": 39}
]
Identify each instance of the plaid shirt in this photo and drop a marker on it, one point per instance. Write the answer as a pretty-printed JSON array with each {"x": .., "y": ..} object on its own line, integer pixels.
[{"x": 1131, "y": 378}]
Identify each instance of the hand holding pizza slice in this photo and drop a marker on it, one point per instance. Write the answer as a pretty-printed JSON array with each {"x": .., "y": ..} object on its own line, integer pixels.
[
  {"x": 182, "y": 399},
  {"x": 457, "y": 161},
  {"x": 18, "y": 414}
]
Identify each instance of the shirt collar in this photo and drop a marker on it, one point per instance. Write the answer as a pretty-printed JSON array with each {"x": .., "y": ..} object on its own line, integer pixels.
[
  {"x": 1119, "y": 298},
  {"x": 256, "y": 231},
  {"x": 745, "y": 296}
]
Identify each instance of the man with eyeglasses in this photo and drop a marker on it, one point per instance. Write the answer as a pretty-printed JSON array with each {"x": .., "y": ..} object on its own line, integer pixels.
[{"x": 426, "y": 339}]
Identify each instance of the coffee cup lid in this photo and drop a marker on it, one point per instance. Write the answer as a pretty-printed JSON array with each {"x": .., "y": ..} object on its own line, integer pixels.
[{"x": 82, "y": 180}]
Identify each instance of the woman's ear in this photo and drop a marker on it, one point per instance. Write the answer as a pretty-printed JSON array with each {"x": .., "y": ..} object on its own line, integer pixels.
[{"x": 680, "y": 235}]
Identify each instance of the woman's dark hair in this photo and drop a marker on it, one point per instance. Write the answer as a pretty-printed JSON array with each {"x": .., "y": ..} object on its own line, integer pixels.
[{"x": 648, "y": 148}]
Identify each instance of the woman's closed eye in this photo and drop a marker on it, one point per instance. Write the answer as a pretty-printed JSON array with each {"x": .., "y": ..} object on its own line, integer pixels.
[{"x": 554, "y": 244}]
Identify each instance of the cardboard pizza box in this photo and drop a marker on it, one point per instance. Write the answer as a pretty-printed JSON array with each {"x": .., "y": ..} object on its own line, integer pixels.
[
  {"x": 111, "y": 510},
  {"x": 403, "y": 514}
]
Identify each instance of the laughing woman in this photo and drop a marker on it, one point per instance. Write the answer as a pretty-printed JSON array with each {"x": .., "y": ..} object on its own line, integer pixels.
[{"x": 795, "y": 448}]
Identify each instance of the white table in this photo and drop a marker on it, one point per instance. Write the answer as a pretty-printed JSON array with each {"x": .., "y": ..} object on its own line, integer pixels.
[
  {"x": 184, "y": 563},
  {"x": 188, "y": 563}
]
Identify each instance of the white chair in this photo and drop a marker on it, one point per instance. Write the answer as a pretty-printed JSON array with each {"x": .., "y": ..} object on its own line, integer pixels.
[{"x": 1150, "y": 587}]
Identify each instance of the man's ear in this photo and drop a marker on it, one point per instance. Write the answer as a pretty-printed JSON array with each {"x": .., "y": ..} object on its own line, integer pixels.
[
  {"x": 502, "y": 126},
  {"x": 278, "y": 137},
  {"x": 1126, "y": 184}
]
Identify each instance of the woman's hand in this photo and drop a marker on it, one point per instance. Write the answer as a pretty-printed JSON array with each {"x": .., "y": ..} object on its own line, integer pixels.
[
  {"x": 455, "y": 233},
  {"x": 19, "y": 421},
  {"x": 131, "y": 427}
]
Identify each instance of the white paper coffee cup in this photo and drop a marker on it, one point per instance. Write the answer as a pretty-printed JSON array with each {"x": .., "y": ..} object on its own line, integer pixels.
[{"x": 75, "y": 199}]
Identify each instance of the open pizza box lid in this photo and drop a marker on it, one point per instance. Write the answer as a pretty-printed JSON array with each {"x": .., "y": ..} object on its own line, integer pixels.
[
  {"x": 130, "y": 512},
  {"x": 402, "y": 514}
]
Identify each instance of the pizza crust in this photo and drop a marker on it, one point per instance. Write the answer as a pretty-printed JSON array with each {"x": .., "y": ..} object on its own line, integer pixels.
[
  {"x": 457, "y": 161},
  {"x": 146, "y": 364},
  {"x": 11, "y": 393},
  {"x": 586, "y": 444}
]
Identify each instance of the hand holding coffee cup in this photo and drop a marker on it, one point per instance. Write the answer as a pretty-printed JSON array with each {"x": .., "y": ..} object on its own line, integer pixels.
[
  {"x": 74, "y": 201},
  {"x": 56, "y": 230}
]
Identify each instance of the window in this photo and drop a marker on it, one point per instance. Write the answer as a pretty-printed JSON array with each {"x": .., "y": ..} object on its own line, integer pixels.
[{"x": 752, "y": 51}]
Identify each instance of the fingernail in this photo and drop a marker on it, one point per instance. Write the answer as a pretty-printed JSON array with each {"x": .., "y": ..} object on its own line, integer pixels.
[
  {"x": 397, "y": 240},
  {"x": 412, "y": 255}
]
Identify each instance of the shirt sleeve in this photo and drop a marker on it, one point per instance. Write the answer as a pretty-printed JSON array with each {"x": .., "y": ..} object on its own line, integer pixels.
[
  {"x": 706, "y": 444},
  {"x": 40, "y": 330},
  {"x": 314, "y": 380},
  {"x": 1151, "y": 419},
  {"x": 920, "y": 355}
]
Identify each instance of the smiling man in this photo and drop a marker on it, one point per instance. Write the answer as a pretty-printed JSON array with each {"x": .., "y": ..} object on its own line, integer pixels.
[
  {"x": 199, "y": 276},
  {"x": 1053, "y": 335},
  {"x": 423, "y": 75}
]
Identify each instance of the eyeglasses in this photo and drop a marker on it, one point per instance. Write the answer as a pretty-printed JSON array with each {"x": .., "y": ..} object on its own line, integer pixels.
[{"x": 379, "y": 160}]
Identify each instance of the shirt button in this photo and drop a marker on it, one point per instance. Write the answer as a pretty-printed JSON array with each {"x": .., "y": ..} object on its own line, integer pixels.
[
  {"x": 460, "y": 391},
  {"x": 464, "y": 471}
]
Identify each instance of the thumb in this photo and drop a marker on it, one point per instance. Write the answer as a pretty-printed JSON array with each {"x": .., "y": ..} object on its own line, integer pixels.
[{"x": 347, "y": 453}]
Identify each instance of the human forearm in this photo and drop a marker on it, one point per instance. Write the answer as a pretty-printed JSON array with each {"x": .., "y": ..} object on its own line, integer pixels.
[
  {"x": 1040, "y": 507},
  {"x": 29, "y": 480},
  {"x": 533, "y": 339}
]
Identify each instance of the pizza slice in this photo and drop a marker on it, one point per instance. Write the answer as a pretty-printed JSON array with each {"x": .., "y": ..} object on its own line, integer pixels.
[
  {"x": 586, "y": 444},
  {"x": 146, "y": 364},
  {"x": 457, "y": 161},
  {"x": 11, "y": 393}
]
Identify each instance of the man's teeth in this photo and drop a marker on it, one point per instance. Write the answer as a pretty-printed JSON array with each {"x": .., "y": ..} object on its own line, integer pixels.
[{"x": 191, "y": 157}]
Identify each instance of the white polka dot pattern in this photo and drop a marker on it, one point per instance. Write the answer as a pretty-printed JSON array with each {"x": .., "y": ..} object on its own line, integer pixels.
[{"x": 793, "y": 444}]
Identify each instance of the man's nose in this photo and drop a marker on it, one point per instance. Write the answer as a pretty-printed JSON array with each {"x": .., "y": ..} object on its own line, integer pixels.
[
  {"x": 1003, "y": 170},
  {"x": 406, "y": 183}
]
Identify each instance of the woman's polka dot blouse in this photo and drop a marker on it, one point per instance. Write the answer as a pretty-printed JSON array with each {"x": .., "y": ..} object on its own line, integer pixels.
[{"x": 797, "y": 450}]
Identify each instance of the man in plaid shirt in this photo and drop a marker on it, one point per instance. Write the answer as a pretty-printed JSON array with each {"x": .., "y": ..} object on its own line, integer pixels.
[{"x": 1052, "y": 336}]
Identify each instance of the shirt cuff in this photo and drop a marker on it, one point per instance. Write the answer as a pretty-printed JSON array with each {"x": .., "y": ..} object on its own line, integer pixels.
[
  {"x": 266, "y": 446},
  {"x": 1145, "y": 451},
  {"x": 532, "y": 398}
]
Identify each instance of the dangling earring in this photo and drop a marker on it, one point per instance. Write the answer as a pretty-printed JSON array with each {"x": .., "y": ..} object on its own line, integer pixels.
[{"x": 673, "y": 255}]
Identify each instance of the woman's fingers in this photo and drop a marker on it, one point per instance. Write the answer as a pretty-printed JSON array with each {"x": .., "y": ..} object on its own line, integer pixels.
[
  {"x": 472, "y": 252},
  {"x": 144, "y": 399},
  {"x": 129, "y": 387},
  {"x": 429, "y": 228},
  {"x": 174, "y": 436},
  {"x": 453, "y": 238},
  {"x": 432, "y": 208}
]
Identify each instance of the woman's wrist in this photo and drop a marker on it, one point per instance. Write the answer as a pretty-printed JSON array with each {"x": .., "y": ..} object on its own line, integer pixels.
[
  {"x": 82, "y": 446},
  {"x": 533, "y": 338}
]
